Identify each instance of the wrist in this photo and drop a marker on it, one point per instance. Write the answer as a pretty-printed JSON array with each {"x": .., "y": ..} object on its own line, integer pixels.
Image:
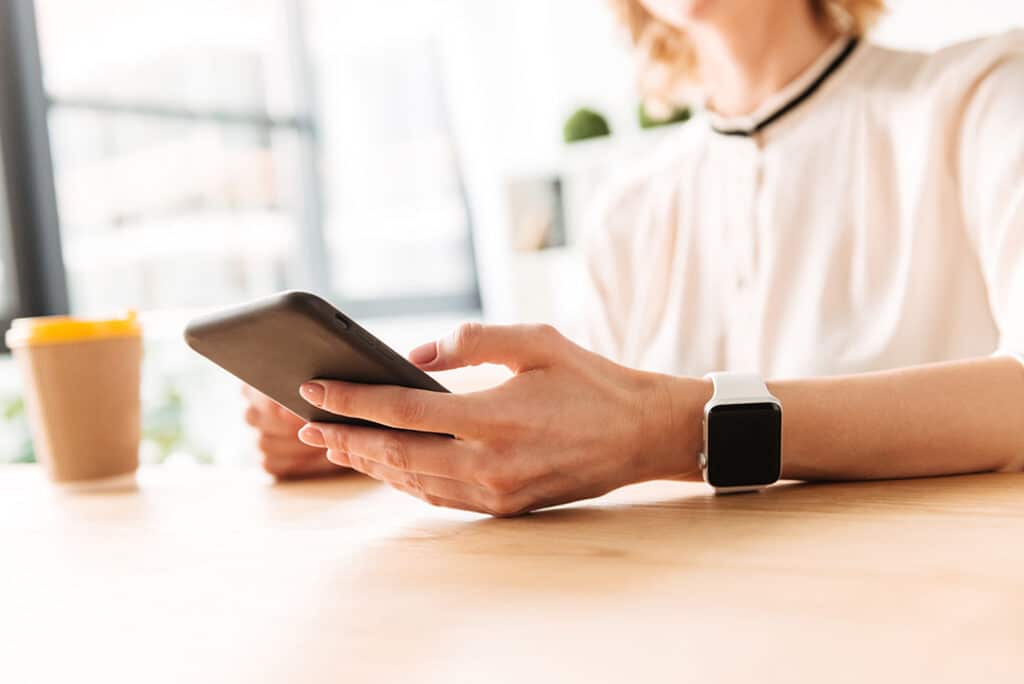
[{"x": 673, "y": 434}]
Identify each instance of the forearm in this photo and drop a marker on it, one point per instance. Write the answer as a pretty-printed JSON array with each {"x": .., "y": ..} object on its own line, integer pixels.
[
  {"x": 949, "y": 418},
  {"x": 939, "y": 419}
]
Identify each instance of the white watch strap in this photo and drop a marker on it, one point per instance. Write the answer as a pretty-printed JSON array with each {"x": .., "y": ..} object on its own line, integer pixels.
[{"x": 738, "y": 387}]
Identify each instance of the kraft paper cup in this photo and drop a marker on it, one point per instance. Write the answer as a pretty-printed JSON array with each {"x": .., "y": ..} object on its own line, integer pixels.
[{"x": 82, "y": 394}]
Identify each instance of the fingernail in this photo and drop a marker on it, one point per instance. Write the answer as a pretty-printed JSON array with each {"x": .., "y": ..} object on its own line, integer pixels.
[
  {"x": 312, "y": 435},
  {"x": 313, "y": 392},
  {"x": 425, "y": 353}
]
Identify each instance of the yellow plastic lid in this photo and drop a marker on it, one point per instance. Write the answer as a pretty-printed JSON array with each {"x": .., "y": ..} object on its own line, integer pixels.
[{"x": 27, "y": 332}]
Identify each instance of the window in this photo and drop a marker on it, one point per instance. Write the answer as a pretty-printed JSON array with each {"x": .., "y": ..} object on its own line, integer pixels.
[
  {"x": 394, "y": 192},
  {"x": 202, "y": 162},
  {"x": 207, "y": 151}
]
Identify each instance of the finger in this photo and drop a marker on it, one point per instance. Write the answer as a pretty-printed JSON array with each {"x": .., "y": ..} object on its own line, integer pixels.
[
  {"x": 315, "y": 468},
  {"x": 291, "y": 463},
  {"x": 264, "y": 403},
  {"x": 443, "y": 502},
  {"x": 410, "y": 451},
  {"x": 441, "y": 491},
  {"x": 273, "y": 422},
  {"x": 287, "y": 446},
  {"x": 254, "y": 396},
  {"x": 399, "y": 407},
  {"x": 430, "y": 488},
  {"x": 518, "y": 347}
]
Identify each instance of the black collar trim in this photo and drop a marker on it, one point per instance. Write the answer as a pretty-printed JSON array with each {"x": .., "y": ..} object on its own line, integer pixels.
[{"x": 798, "y": 99}]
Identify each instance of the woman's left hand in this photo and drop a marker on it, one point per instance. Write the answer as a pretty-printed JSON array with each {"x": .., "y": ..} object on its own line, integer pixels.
[{"x": 568, "y": 425}]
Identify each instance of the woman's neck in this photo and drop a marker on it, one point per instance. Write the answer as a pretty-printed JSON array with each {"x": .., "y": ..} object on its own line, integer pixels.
[{"x": 748, "y": 56}]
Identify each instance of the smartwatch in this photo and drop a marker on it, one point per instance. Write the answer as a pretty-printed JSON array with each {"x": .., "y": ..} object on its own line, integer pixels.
[{"x": 742, "y": 434}]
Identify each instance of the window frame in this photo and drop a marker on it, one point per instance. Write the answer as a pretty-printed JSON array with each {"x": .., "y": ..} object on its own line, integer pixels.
[{"x": 31, "y": 200}]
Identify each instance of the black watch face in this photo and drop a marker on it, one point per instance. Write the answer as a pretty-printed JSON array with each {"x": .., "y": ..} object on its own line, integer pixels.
[{"x": 744, "y": 445}]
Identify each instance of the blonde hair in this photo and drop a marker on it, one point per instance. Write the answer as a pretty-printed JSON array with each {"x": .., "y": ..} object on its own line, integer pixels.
[{"x": 668, "y": 64}]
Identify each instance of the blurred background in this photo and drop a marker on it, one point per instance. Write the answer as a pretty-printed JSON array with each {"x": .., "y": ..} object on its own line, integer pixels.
[{"x": 417, "y": 163}]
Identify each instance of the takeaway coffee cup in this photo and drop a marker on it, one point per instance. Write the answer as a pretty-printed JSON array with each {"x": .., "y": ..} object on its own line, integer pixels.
[{"x": 82, "y": 394}]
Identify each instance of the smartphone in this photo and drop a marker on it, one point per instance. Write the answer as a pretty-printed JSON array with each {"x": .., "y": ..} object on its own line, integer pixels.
[{"x": 277, "y": 343}]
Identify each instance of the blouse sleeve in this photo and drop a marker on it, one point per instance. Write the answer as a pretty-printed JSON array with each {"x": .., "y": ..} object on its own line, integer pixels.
[{"x": 992, "y": 181}]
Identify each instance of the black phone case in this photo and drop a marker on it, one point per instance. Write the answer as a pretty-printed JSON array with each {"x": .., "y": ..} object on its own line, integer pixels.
[{"x": 277, "y": 343}]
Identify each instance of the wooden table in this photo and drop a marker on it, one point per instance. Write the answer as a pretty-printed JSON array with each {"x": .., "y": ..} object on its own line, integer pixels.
[{"x": 219, "y": 575}]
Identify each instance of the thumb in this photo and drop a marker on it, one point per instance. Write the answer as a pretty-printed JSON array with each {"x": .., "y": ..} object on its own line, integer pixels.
[{"x": 518, "y": 347}]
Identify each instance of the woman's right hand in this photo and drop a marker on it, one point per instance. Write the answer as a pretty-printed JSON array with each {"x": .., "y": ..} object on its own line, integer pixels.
[{"x": 284, "y": 456}]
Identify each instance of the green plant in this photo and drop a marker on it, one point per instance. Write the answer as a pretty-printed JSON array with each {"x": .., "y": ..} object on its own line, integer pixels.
[
  {"x": 648, "y": 121},
  {"x": 163, "y": 425},
  {"x": 584, "y": 124},
  {"x": 163, "y": 422},
  {"x": 12, "y": 409}
]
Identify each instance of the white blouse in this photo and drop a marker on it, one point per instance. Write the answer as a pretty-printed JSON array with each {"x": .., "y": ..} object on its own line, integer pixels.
[{"x": 872, "y": 218}]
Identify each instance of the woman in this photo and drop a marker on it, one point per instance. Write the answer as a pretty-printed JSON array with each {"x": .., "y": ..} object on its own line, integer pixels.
[{"x": 846, "y": 219}]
